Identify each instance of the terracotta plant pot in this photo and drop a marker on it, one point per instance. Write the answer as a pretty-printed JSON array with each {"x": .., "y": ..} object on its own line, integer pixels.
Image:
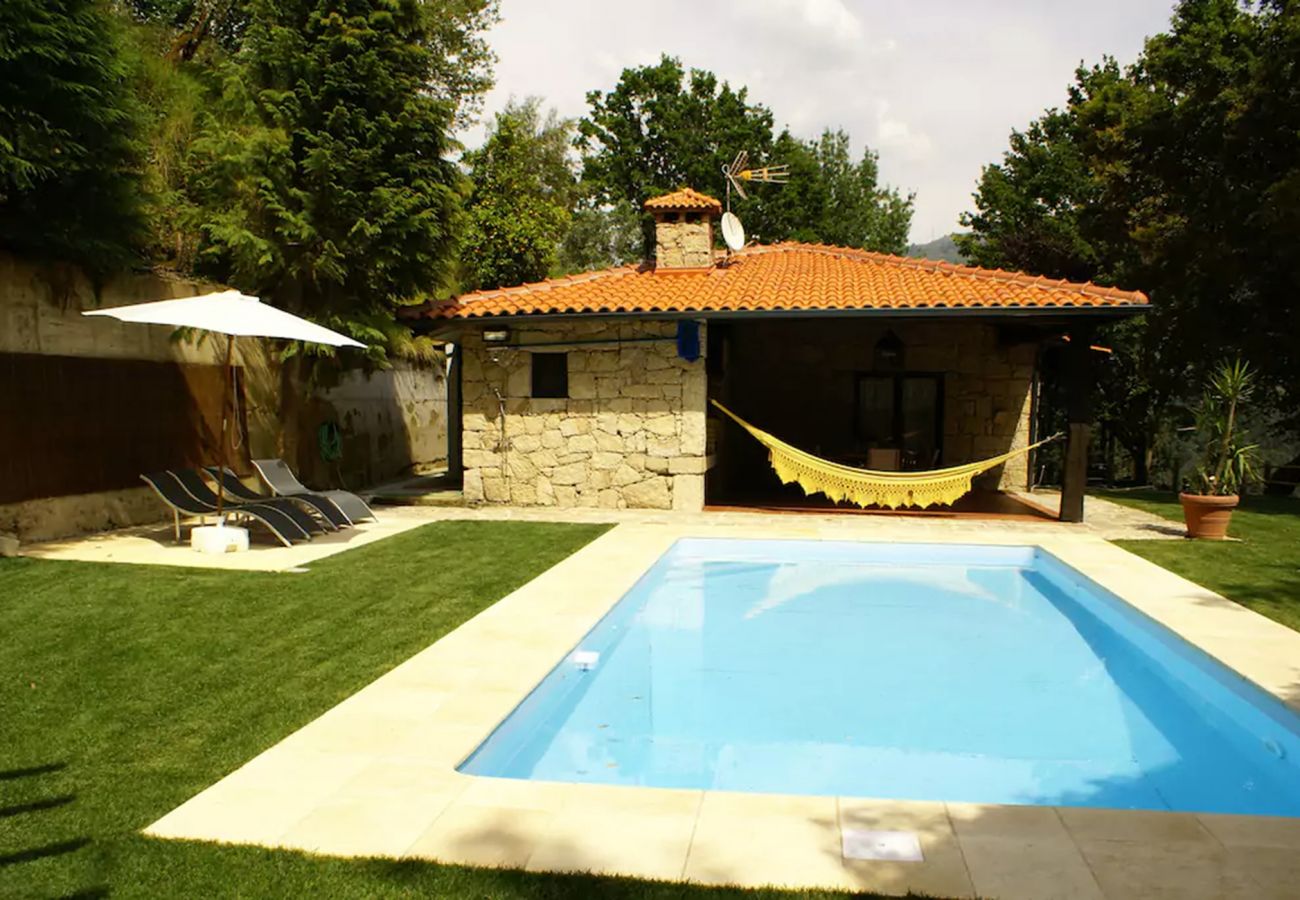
[{"x": 1207, "y": 515}]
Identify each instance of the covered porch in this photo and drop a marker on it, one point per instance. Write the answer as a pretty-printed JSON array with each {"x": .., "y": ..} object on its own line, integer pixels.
[{"x": 893, "y": 393}]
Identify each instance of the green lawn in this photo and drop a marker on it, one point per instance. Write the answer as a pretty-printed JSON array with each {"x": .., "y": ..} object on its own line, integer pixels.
[
  {"x": 124, "y": 690},
  {"x": 1262, "y": 571}
]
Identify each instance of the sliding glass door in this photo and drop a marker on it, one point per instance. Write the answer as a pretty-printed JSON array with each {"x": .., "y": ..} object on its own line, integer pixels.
[{"x": 899, "y": 419}]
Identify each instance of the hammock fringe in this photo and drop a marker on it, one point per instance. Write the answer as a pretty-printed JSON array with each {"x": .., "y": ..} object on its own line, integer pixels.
[{"x": 868, "y": 487}]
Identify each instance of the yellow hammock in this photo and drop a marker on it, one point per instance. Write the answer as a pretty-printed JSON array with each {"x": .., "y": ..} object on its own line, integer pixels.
[{"x": 867, "y": 487}]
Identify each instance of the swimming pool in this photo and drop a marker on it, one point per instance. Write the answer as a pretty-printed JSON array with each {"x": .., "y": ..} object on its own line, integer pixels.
[{"x": 911, "y": 671}]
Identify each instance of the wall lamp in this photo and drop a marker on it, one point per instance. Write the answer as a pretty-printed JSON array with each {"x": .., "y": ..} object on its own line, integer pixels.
[{"x": 496, "y": 336}]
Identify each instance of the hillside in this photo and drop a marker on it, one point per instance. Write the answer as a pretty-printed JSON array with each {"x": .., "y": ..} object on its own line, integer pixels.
[{"x": 944, "y": 248}]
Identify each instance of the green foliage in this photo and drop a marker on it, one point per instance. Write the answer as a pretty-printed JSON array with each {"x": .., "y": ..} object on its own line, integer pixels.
[
  {"x": 830, "y": 199},
  {"x": 662, "y": 128},
  {"x": 453, "y": 33},
  {"x": 70, "y": 155},
  {"x": 322, "y": 171},
  {"x": 192, "y": 24},
  {"x": 1228, "y": 463},
  {"x": 523, "y": 189},
  {"x": 461, "y": 60},
  {"x": 174, "y": 98},
  {"x": 600, "y": 235}
]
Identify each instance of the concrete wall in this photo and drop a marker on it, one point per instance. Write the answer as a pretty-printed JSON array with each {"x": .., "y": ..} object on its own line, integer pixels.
[
  {"x": 631, "y": 433},
  {"x": 393, "y": 421},
  {"x": 796, "y": 379}
]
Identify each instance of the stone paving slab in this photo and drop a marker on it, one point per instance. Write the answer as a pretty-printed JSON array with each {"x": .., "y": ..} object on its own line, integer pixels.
[{"x": 156, "y": 545}]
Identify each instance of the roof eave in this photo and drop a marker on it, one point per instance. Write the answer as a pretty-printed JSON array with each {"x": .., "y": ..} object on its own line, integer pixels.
[{"x": 443, "y": 326}]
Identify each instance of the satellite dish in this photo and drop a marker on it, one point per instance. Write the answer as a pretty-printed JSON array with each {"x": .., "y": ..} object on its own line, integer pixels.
[{"x": 732, "y": 231}]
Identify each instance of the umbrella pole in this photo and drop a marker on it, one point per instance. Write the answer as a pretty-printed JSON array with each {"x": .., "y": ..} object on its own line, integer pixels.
[{"x": 227, "y": 389}]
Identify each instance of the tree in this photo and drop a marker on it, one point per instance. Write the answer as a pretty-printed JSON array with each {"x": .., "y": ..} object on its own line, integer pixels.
[
  {"x": 193, "y": 23},
  {"x": 829, "y": 198},
  {"x": 323, "y": 173},
  {"x": 70, "y": 154},
  {"x": 454, "y": 35},
  {"x": 460, "y": 61},
  {"x": 600, "y": 235},
  {"x": 524, "y": 187},
  {"x": 1176, "y": 176},
  {"x": 1028, "y": 208},
  {"x": 661, "y": 128}
]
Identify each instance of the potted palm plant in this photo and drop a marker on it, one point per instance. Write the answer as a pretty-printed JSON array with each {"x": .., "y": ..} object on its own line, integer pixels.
[{"x": 1227, "y": 463}]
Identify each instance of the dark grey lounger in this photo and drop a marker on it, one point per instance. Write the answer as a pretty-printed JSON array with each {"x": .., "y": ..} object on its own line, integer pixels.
[
  {"x": 282, "y": 482},
  {"x": 193, "y": 482},
  {"x": 175, "y": 496},
  {"x": 233, "y": 487}
]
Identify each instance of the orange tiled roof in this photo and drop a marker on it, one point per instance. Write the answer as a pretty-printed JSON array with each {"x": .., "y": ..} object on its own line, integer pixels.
[
  {"x": 789, "y": 277},
  {"x": 686, "y": 198}
]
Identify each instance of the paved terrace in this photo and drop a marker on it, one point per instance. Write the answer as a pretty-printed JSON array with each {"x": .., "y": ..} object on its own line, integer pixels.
[{"x": 155, "y": 545}]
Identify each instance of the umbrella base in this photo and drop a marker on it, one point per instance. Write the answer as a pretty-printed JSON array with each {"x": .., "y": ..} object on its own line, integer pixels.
[{"x": 218, "y": 539}]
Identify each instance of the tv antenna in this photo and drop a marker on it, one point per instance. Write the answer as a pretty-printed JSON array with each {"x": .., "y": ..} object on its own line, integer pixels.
[{"x": 736, "y": 172}]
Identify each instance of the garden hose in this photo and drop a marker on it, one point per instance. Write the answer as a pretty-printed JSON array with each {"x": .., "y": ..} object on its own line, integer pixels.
[{"x": 329, "y": 442}]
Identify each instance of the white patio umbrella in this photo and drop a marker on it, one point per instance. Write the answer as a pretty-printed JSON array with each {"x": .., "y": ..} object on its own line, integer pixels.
[{"x": 234, "y": 315}]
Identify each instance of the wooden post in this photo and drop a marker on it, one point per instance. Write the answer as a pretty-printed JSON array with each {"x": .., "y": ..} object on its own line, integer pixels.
[
  {"x": 455, "y": 416},
  {"x": 1078, "y": 401}
]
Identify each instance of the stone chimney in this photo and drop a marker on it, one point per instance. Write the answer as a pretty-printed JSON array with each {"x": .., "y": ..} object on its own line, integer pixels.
[{"x": 683, "y": 229}]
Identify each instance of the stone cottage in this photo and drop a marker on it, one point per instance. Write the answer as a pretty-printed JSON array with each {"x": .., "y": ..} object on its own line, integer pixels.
[{"x": 593, "y": 389}]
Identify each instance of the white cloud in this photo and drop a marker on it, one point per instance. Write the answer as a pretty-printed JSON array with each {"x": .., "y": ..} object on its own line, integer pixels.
[
  {"x": 935, "y": 87},
  {"x": 894, "y": 135},
  {"x": 815, "y": 22}
]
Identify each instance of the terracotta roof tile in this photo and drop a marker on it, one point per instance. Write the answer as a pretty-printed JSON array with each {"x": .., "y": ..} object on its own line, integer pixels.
[
  {"x": 685, "y": 199},
  {"x": 788, "y": 277}
]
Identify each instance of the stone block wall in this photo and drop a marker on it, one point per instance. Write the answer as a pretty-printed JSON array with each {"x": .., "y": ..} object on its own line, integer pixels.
[
  {"x": 630, "y": 434},
  {"x": 683, "y": 240}
]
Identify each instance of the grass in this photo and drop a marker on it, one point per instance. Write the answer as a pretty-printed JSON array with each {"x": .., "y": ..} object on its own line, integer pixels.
[
  {"x": 125, "y": 690},
  {"x": 1262, "y": 571}
]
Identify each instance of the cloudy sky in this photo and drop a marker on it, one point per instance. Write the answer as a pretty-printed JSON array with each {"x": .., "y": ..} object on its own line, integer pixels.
[{"x": 934, "y": 86}]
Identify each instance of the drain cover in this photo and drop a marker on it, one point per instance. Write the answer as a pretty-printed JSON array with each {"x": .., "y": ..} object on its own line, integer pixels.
[{"x": 897, "y": 846}]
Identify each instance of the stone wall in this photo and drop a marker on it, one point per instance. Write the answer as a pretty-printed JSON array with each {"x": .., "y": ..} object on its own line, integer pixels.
[
  {"x": 392, "y": 421},
  {"x": 631, "y": 433},
  {"x": 796, "y": 378},
  {"x": 683, "y": 240}
]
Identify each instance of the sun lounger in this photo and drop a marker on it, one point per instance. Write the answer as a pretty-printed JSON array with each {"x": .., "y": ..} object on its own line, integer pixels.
[
  {"x": 192, "y": 481},
  {"x": 282, "y": 482},
  {"x": 233, "y": 487},
  {"x": 170, "y": 491}
]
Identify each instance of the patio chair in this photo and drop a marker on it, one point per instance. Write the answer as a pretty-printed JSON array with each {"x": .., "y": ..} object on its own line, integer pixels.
[
  {"x": 170, "y": 491},
  {"x": 327, "y": 508},
  {"x": 192, "y": 481},
  {"x": 282, "y": 482}
]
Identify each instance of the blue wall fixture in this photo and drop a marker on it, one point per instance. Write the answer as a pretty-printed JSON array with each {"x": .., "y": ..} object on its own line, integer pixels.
[{"x": 688, "y": 340}]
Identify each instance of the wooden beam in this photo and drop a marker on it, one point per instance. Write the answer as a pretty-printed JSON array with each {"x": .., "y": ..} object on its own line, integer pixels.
[
  {"x": 1079, "y": 386},
  {"x": 455, "y": 416}
]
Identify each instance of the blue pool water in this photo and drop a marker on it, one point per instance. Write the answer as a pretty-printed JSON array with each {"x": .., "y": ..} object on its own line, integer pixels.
[{"x": 926, "y": 672}]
